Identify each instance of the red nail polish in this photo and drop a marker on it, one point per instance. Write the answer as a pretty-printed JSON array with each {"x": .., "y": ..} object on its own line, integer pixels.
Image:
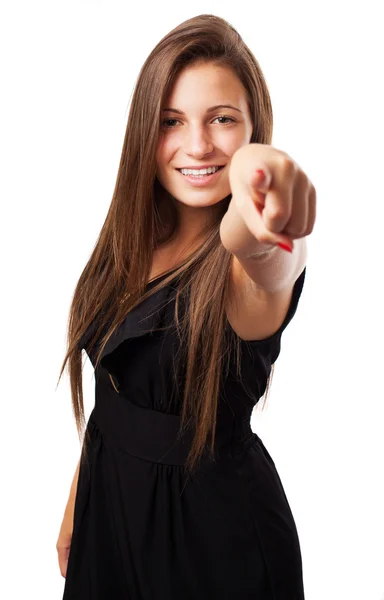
[{"x": 285, "y": 247}]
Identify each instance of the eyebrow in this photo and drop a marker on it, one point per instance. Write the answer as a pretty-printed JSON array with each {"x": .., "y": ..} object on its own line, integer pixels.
[{"x": 211, "y": 109}]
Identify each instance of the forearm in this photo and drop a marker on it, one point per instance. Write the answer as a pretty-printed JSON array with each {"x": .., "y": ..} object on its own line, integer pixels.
[
  {"x": 72, "y": 493},
  {"x": 270, "y": 267}
]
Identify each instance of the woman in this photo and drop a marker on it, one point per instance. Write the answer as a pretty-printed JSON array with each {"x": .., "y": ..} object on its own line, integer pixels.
[{"x": 181, "y": 309}]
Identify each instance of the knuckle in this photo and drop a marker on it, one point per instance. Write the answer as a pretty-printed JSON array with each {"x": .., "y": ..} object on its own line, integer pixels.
[
  {"x": 276, "y": 213},
  {"x": 302, "y": 231},
  {"x": 294, "y": 232},
  {"x": 287, "y": 165},
  {"x": 310, "y": 228},
  {"x": 303, "y": 179}
]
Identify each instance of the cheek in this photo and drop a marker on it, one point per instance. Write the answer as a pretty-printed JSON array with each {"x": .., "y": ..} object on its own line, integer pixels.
[
  {"x": 164, "y": 155},
  {"x": 230, "y": 143},
  {"x": 238, "y": 141},
  {"x": 161, "y": 149}
]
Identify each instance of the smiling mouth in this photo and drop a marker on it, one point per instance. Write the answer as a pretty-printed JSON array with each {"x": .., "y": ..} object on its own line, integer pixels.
[{"x": 217, "y": 169}]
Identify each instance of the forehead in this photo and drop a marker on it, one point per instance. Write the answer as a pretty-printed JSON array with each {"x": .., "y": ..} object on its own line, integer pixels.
[{"x": 206, "y": 84}]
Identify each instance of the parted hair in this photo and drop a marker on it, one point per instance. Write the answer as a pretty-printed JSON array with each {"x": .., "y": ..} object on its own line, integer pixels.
[{"x": 121, "y": 259}]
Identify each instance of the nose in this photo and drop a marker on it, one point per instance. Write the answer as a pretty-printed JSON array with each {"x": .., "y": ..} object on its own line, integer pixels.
[{"x": 198, "y": 143}]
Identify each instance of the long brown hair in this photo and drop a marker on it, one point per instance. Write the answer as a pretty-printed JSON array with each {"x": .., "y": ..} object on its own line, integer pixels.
[{"x": 122, "y": 257}]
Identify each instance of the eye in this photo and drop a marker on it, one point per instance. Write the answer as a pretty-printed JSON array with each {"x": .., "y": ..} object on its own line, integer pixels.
[
  {"x": 167, "y": 123},
  {"x": 225, "y": 118}
]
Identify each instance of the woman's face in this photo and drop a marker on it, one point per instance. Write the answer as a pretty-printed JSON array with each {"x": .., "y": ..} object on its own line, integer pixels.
[{"x": 204, "y": 121}]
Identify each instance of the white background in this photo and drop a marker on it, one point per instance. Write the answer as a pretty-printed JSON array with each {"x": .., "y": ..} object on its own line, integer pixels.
[{"x": 68, "y": 72}]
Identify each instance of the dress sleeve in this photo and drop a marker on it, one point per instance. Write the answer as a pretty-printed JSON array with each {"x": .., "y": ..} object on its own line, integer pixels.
[
  {"x": 85, "y": 340},
  {"x": 84, "y": 343},
  {"x": 270, "y": 347}
]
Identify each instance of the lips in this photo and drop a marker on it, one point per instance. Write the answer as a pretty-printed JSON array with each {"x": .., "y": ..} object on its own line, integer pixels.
[
  {"x": 200, "y": 168},
  {"x": 200, "y": 181}
]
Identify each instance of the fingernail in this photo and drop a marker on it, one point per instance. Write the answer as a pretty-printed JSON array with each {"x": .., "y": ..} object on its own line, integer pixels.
[{"x": 285, "y": 247}]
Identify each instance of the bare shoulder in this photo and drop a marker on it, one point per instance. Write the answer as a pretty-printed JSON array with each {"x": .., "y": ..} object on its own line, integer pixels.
[{"x": 254, "y": 313}]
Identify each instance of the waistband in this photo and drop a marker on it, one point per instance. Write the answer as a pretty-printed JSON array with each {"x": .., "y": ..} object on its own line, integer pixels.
[{"x": 152, "y": 435}]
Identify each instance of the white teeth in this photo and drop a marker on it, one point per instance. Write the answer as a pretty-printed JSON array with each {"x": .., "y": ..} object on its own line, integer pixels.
[{"x": 208, "y": 171}]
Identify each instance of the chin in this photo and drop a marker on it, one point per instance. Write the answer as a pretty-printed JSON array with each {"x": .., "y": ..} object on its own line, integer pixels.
[
  {"x": 198, "y": 196},
  {"x": 199, "y": 201}
]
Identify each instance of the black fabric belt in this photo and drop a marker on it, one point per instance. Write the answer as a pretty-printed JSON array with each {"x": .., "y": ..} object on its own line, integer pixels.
[{"x": 152, "y": 435}]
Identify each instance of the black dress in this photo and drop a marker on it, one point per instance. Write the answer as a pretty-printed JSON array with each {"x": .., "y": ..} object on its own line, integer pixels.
[{"x": 142, "y": 530}]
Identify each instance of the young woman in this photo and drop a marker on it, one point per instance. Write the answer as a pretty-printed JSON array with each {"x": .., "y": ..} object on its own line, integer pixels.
[{"x": 196, "y": 273}]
